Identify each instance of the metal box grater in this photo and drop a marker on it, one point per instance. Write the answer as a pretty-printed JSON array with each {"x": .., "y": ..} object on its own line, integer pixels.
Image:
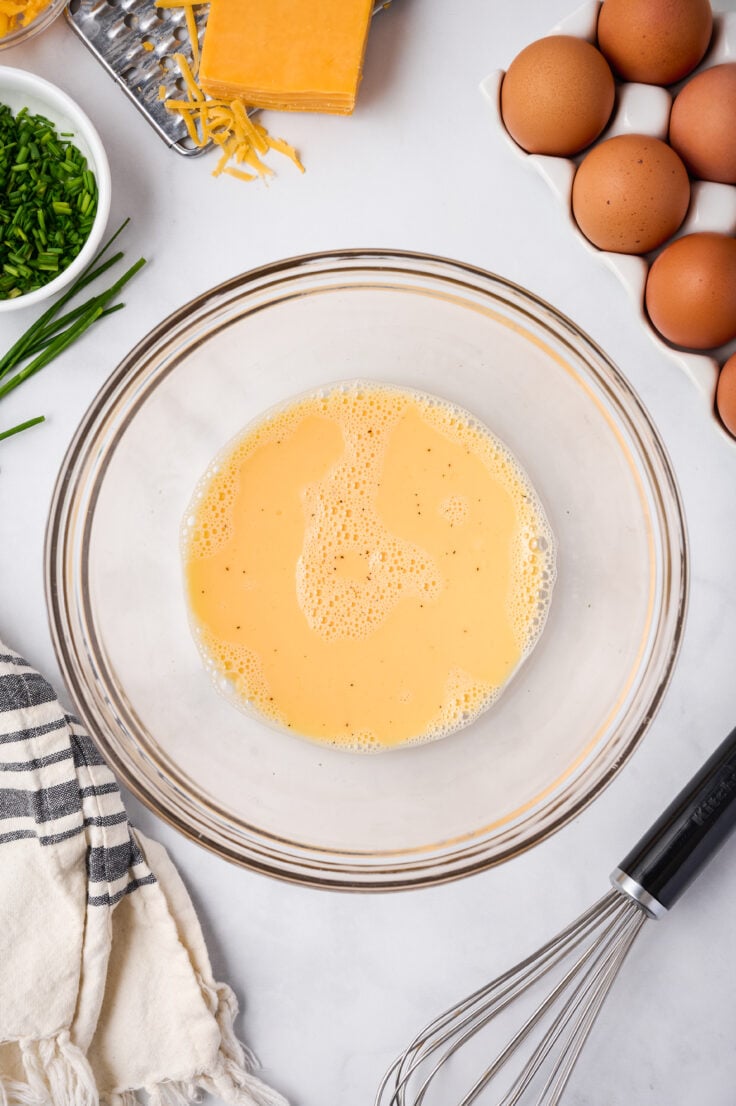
[{"x": 135, "y": 42}]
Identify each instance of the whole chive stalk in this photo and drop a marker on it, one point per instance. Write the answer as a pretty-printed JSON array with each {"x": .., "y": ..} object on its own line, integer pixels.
[
  {"x": 53, "y": 332},
  {"x": 21, "y": 426},
  {"x": 93, "y": 311},
  {"x": 17, "y": 351}
]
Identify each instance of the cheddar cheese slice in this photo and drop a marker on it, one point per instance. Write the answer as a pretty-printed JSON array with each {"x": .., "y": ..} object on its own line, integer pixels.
[{"x": 290, "y": 55}]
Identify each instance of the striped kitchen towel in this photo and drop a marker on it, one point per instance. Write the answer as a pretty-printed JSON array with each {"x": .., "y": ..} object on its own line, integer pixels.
[{"x": 106, "y": 990}]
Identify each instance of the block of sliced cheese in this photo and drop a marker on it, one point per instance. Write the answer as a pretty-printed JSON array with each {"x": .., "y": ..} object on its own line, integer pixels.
[{"x": 291, "y": 55}]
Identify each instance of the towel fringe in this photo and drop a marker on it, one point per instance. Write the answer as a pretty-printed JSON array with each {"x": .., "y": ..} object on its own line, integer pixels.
[
  {"x": 223, "y": 1006},
  {"x": 241, "y": 1089},
  {"x": 57, "y": 1074},
  {"x": 125, "y": 1098},
  {"x": 231, "y": 1078},
  {"x": 173, "y": 1094},
  {"x": 167, "y": 1093},
  {"x": 13, "y": 1093},
  {"x": 19, "y": 1094}
]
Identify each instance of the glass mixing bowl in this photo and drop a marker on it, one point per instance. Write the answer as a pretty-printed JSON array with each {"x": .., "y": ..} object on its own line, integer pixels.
[{"x": 272, "y": 801}]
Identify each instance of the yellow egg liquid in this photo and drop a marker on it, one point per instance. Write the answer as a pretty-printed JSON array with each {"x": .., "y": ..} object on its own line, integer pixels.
[{"x": 367, "y": 567}]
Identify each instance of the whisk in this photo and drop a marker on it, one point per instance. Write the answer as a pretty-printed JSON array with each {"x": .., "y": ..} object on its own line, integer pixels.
[{"x": 539, "y": 1056}]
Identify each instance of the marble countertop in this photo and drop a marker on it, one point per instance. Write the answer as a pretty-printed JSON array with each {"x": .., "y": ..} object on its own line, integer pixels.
[{"x": 333, "y": 985}]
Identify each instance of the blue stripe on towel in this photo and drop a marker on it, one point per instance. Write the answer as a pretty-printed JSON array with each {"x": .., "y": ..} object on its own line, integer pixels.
[
  {"x": 45, "y": 805},
  {"x": 21, "y": 690},
  {"x": 110, "y": 900},
  {"x": 42, "y": 803},
  {"x": 37, "y": 762},
  {"x": 32, "y": 731}
]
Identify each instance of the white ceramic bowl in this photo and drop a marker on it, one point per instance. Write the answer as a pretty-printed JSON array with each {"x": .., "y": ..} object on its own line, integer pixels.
[{"x": 18, "y": 89}]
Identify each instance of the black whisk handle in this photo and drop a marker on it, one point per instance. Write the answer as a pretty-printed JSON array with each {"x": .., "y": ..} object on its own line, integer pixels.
[{"x": 684, "y": 838}]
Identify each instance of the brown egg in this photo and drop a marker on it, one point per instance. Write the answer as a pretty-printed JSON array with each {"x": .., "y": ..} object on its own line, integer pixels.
[
  {"x": 630, "y": 194},
  {"x": 703, "y": 124},
  {"x": 654, "y": 41},
  {"x": 691, "y": 291},
  {"x": 557, "y": 95},
  {"x": 726, "y": 394}
]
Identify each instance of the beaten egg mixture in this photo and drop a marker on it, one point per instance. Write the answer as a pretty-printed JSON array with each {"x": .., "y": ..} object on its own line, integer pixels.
[{"x": 366, "y": 566}]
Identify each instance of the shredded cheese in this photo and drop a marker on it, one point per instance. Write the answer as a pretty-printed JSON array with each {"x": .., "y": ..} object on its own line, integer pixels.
[
  {"x": 15, "y": 14},
  {"x": 193, "y": 36},
  {"x": 225, "y": 123}
]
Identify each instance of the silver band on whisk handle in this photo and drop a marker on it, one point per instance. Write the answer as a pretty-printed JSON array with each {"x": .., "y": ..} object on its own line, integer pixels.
[
  {"x": 582, "y": 961},
  {"x": 685, "y": 836}
]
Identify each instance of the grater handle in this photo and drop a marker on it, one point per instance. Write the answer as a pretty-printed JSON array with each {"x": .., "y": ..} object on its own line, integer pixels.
[{"x": 684, "y": 838}]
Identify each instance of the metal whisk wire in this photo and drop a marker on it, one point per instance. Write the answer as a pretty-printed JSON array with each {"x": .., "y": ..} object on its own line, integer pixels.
[
  {"x": 649, "y": 880},
  {"x": 580, "y": 1010},
  {"x": 609, "y": 928}
]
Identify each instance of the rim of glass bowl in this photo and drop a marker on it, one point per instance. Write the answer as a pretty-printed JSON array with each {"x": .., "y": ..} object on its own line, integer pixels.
[
  {"x": 82, "y": 661},
  {"x": 43, "y": 20}
]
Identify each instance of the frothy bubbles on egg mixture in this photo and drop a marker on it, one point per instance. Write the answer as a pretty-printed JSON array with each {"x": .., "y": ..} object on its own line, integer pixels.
[{"x": 326, "y": 546}]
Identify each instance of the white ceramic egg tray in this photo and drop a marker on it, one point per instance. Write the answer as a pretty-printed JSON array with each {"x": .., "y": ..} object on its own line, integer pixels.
[{"x": 643, "y": 109}]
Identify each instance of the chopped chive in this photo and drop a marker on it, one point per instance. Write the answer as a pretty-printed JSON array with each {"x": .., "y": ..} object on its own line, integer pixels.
[{"x": 46, "y": 186}]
